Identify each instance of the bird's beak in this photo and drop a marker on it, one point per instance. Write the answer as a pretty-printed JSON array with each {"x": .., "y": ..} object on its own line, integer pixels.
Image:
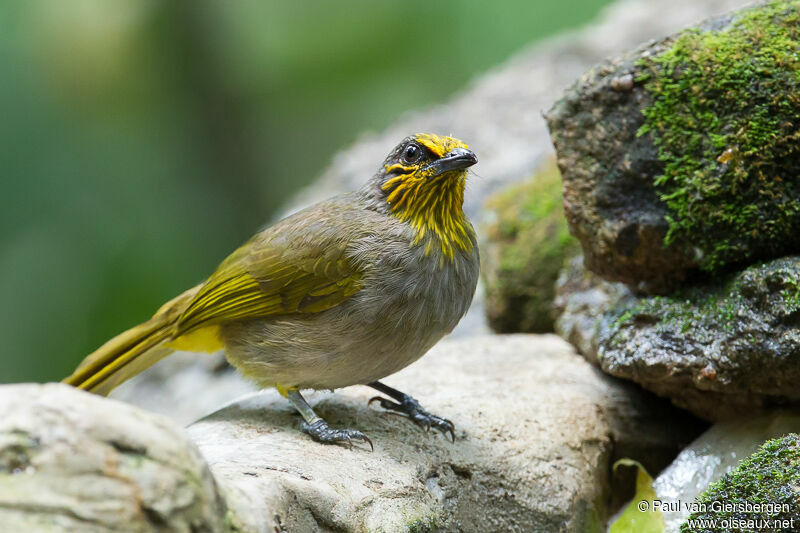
[{"x": 455, "y": 159}]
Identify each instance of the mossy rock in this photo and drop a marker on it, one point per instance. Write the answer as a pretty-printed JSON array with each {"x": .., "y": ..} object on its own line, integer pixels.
[
  {"x": 721, "y": 349},
  {"x": 761, "y": 494},
  {"x": 685, "y": 155},
  {"x": 528, "y": 242}
]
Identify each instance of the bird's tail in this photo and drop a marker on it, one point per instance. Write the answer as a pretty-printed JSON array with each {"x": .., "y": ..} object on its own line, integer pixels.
[
  {"x": 123, "y": 357},
  {"x": 132, "y": 351}
]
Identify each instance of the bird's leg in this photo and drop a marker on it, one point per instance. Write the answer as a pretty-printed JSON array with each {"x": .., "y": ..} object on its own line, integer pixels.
[
  {"x": 319, "y": 430},
  {"x": 410, "y": 407}
]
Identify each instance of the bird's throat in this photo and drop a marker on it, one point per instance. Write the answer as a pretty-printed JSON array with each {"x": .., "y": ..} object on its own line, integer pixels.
[{"x": 434, "y": 208}]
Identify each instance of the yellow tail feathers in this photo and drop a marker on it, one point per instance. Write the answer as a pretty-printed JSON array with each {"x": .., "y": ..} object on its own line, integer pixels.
[
  {"x": 123, "y": 357},
  {"x": 137, "y": 349}
]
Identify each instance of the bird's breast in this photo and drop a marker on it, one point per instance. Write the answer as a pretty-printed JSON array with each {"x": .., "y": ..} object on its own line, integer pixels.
[{"x": 421, "y": 287}]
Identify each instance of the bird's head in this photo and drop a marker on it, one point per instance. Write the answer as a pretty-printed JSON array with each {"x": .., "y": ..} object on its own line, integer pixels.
[{"x": 422, "y": 183}]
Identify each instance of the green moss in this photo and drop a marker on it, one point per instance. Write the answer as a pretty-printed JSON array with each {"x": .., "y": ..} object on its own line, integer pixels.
[
  {"x": 717, "y": 307},
  {"x": 790, "y": 294},
  {"x": 725, "y": 116},
  {"x": 769, "y": 476},
  {"x": 423, "y": 525},
  {"x": 717, "y": 304},
  {"x": 231, "y": 524},
  {"x": 529, "y": 242}
]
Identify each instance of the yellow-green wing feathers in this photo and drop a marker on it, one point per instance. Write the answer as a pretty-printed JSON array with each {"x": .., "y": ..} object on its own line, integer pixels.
[{"x": 270, "y": 280}]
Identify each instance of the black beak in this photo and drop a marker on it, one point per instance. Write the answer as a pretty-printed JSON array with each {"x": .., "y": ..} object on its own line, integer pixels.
[{"x": 455, "y": 159}]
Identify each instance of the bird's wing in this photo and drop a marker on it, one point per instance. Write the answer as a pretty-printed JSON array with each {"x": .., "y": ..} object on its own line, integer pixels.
[{"x": 275, "y": 276}]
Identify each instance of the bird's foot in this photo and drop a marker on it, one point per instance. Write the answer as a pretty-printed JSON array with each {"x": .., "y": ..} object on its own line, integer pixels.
[
  {"x": 320, "y": 431},
  {"x": 413, "y": 410}
]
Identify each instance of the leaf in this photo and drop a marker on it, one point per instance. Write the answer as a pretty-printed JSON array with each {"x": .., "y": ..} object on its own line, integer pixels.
[{"x": 633, "y": 519}]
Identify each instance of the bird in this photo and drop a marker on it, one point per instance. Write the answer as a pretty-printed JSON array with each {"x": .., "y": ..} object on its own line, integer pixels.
[{"x": 344, "y": 292}]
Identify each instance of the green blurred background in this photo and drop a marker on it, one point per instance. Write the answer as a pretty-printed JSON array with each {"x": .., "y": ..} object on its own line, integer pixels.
[{"x": 140, "y": 141}]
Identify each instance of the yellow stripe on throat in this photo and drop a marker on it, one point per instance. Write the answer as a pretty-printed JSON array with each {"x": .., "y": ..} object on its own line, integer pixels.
[{"x": 433, "y": 207}]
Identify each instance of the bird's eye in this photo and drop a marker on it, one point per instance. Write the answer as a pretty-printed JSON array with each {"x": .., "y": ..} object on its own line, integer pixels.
[{"x": 412, "y": 153}]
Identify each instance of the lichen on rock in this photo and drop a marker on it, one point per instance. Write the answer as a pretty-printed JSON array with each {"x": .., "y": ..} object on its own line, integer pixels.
[
  {"x": 762, "y": 488},
  {"x": 527, "y": 244}
]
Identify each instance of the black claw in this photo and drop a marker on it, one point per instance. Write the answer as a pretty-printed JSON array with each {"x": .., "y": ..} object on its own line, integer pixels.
[
  {"x": 386, "y": 404},
  {"x": 413, "y": 410},
  {"x": 320, "y": 431}
]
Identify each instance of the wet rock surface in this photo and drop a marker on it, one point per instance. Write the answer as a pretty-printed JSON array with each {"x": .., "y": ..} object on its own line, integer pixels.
[
  {"x": 665, "y": 169},
  {"x": 715, "y": 453},
  {"x": 767, "y": 479},
  {"x": 719, "y": 349}
]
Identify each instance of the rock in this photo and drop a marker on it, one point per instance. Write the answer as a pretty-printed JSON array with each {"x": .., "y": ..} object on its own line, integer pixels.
[
  {"x": 74, "y": 462},
  {"x": 581, "y": 302},
  {"x": 683, "y": 154},
  {"x": 526, "y": 242},
  {"x": 712, "y": 455},
  {"x": 760, "y": 495},
  {"x": 721, "y": 349},
  {"x": 537, "y": 429}
]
